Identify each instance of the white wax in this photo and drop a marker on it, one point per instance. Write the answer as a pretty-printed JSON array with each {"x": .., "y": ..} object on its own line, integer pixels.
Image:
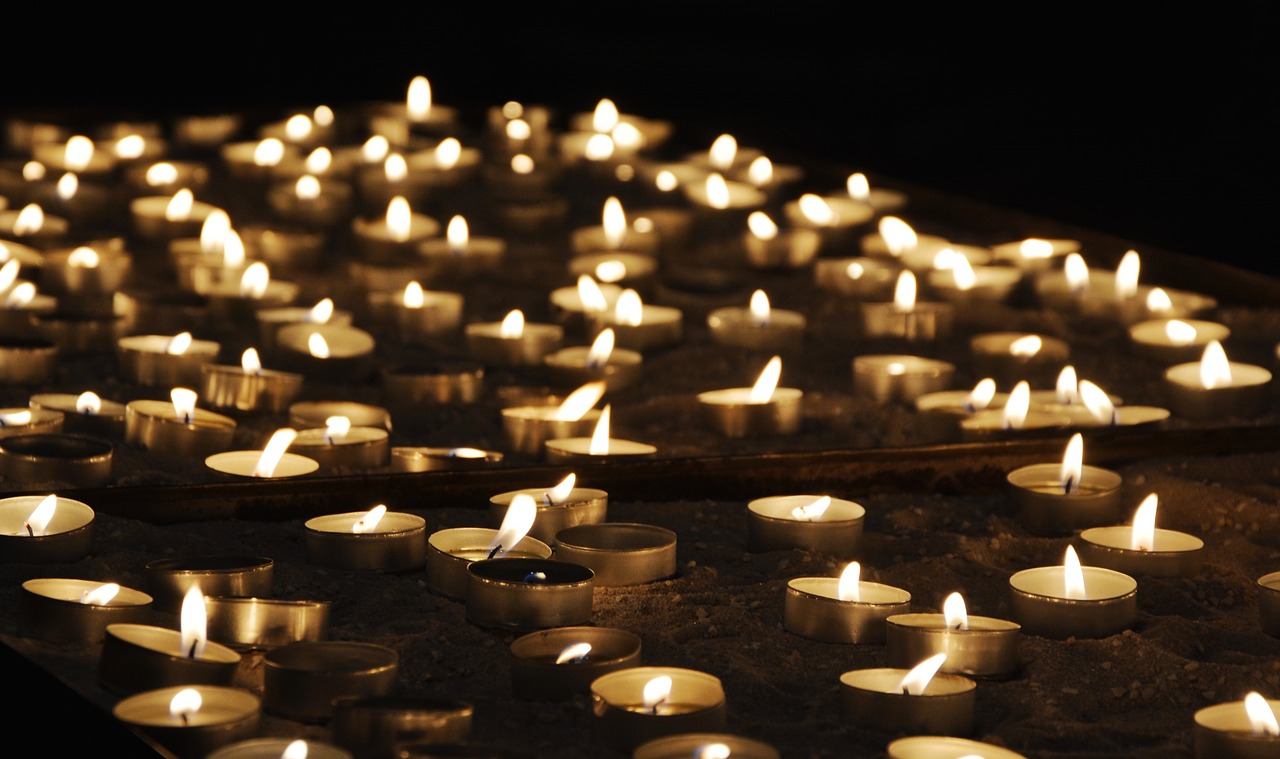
[
  {"x": 392, "y": 522},
  {"x": 781, "y": 506},
  {"x": 741, "y": 396},
  {"x": 869, "y": 593},
  {"x": 242, "y": 464},
  {"x": 1049, "y": 582},
  {"x": 1242, "y": 375},
  {"x": 1121, "y": 537}
]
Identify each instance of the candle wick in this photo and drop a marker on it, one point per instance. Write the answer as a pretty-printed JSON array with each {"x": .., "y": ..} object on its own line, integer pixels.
[
  {"x": 547, "y": 499},
  {"x": 185, "y": 720},
  {"x": 30, "y": 530},
  {"x": 328, "y": 440},
  {"x": 192, "y": 653},
  {"x": 534, "y": 578},
  {"x": 494, "y": 552},
  {"x": 906, "y": 691},
  {"x": 1069, "y": 486},
  {"x": 186, "y": 418}
]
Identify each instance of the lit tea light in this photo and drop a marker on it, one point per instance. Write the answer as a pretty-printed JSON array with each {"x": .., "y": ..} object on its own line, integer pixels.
[
  {"x": 639, "y": 326},
  {"x": 617, "y": 367},
  {"x": 78, "y": 154},
  {"x": 558, "y": 664},
  {"x": 600, "y": 446},
  {"x": 460, "y": 256},
  {"x": 761, "y": 410},
  {"x": 279, "y": 748},
  {"x": 769, "y": 248},
  {"x": 881, "y": 199},
  {"x": 1073, "y": 601},
  {"x": 906, "y": 317},
  {"x": 513, "y": 341},
  {"x": 638, "y": 704},
  {"x": 581, "y": 304},
  {"x": 76, "y": 611},
  {"x": 758, "y": 327},
  {"x": 257, "y": 161},
  {"x": 177, "y": 428},
  {"x": 85, "y": 413},
  {"x": 899, "y": 378},
  {"x": 844, "y": 609},
  {"x": 834, "y": 218},
  {"x": 326, "y": 351},
  {"x": 310, "y": 200},
  {"x": 395, "y": 236},
  {"x": 340, "y": 447},
  {"x": 450, "y": 552},
  {"x": 1216, "y": 388},
  {"x": 1013, "y": 356},
  {"x": 406, "y": 458},
  {"x": 377, "y": 539},
  {"x": 1238, "y": 729},
  {"x": 272, "y": 462},
  {"x": 919, "y": 700},
  {"x": 159, "y": 177},
  {"x": 45, "y": 529},
  {"x": 560, "y": 507},
  {"x": 420, "y": 316},
  {"x": 943, "y": 411},
  {"x": 1101, "y": 410},
  {"x": 272, "y": 320},
  {"x": 705, "y": 746},
  {"x": 978, "y": 646},
  {"x": 961, "y": 282},
  {"x": 1142, "y": 549},
  {"x": 191, "y": 720},
  {"x": 1063, "y": 289},
  {"x": 614, "y": 234},
  {"x": 1035, "y": 253},
  {"x": 944, "y": 747},
  {"x": 164, "y": 360},
  {"x": 527, "y": 428},
  {"x": 161, "y": 218},
  {"x": 1016, "y": 419},
  {"x": 718, "y": 195},
  {"x": 249, "y": 388},
  {"x": 1059, "y": 499},
  {"x": 620, "y": 268},
  {"x": 607, "y": 119},
  {"x": 255, "y": 290},
  {"x": 1175, "y": 340},
  {"x": 822, "y": 524}
]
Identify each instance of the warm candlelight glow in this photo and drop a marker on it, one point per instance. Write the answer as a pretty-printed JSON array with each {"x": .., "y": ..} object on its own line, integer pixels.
[
  {"x": 1066, "y": 389},
  {"x": 33, "y": 171},
  {"x": 254, "y": 281},
  {"x": 945, "y": 259},
  {"x": 904, "y": 293},
  {"x": 761, "y": 226},
  {"x": 307, "y": 187},
  {"x": 1026, "y": 346},
  {"x": 896, "y": 369},
  {"x": 717, "y": 192},
  {"x": 759, "y": 309},
  {"x": 268, "y": 152},
  {"x": 601, "y": 349},
  {"x": 295, "y": 750},
  {"x": 321, "y": 312},
  {"x": 1143, "y": 537},
  {"x": 614, "y": 223},
  {"x": 84, "y": 258},
  {"x": 898, "y": 235},
  {"x": 857, "y": 186},
  {"x": 812, "y": 512},
  {"x": 413, "y": 297},
  {"x": 599, "y": 147},
  {"x": 762, "y": 391},
  {"x": 399, "y": 218},
  {"x": 816, "y": 210},
  {"x": 1072, "y": 464},
  {"x": 628, "y": 310},
  {"x": 30, "y": 220},
  {"x": 1076, "y": 272},
  {"x": 317, "y": 346},
  {"x": 1215, "y": 370},
  {"x": 760, "y": 172},
  {"x": 521, "y": 163},
  {"x": 458, "y": 235},
  {"x": 1179, "y": 332},
  {"x": 981, "y": 395},
  {"x": 101, "y": 595},
  {"x": 336, "y": 429},
  {"x": 666, "y": 181},
  {"x": 418, "y": 98},
  {"x": 466, "y": 453},
  {"x": 67, "y": 186},
  {"x": 574, "y": 653},
  {"x": 723, "y": 152},
  {"x": 395, "y": 168},
  {"x": 232, "y": 250},
  {"x": 1158, "y": 301},
  {"x": 917, "y": 680},
  {"x": 318, "y": 161},
  {"x": 1262, "y": 720},
  {"x": 1127, "y": 275},
  {"x": 185, "y": 703},
  {"x": 9, "y": 273},
  {"x": 1032, "y": 248},
  {"x": 193, "y": 623},
  {"x": 273, "y": 451},
  {"x": 656, "y": 693},
  {"x": 962, "y": 272},
  {"x": 599, "y": 445},
  {"x": 605, "y": 116},
  {"x": 88, "y": 402},
  {"x": 561, "y": 491},
  {"x": 374, "y": 149},
  {"x": 519, "y": 129},
  {"x": 1072, "y": 575},
  {"x": 38, "y": 521},
  {"x": 855, "y": 270},
  {"x": 515, "y": 525},
  {"x": 579, "y": 402},
  {"x": 369, "y": 521},
  {"x": 249, "y": 361},
  {"x": 1098, "y": 403},
  {"x": 178, "y": 344},
  {"x": 713, "y": 751},
  {"x": 17, "y": 418},
  {"x": 213, "y": 232},
  {"x": 847, "y": 588},
  {"x": 184, "y": 404},
  {"x": 1015, "y": 410},
  {"x": 627, "y": 137},
  {"x": 512, "y": 325},
  {"x": 448, "y": 152},
  {"x": 78, "y": 153},
  {"x": 955, "y": 613},
  {"x": 180, "y": 205},
  {"x": 611, "y": 271},
  {"x": 297, "y": 127}
]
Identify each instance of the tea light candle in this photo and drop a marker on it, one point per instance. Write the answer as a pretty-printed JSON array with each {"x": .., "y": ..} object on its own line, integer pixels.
[
  {"x": 1016, "y": 419},
  {"x": 618, "y": 368},
  {"x": 868, "y": 278},
  {"x": 1059, "y": 499},
  {"x": 428, "y": 459},
  {"x": 1269, "y": 603},
  {"x": 76, "y": 460},
  {"x": 27, "y": 362},
  {"x": 704, "y": 746},
  {"x": 85, "y": 271},
  {"x": 1175, "y": 340},
  {"x": 255, "y": 290},
  {"x": 822, "y": 524},
  {"x": 33, "y": 226},
  {"x": 943, "y": 410},
  {"x": 943, "y": 747},
  {"x": 61, "y": 610},
  {"x": 162, "y": 360},
  {"x": 177, "y": 428},
  {"x": 382, "y": 725},
  {"x": 450, "y": 552},
  {"x": 758, "y": 327},
  {"x": 1073, "y": 601},
  {"x": 459, "y": 256},
  {"x": 311, "y": 200},
  {"x": 273, "y": 462},
  {"x": 327, "y": 352},
  {"x": 272, "y": 320},
  {"x": 1033, "y": 253},
  {"x": 396, "y": 236},
  {"x": 339, "y": 446},
  {"x": 160, "y": 218},
  {"x": 1014, "y": 356},
  {"x": 905, "y": 317},
  {"x": 513, "y": 342},
  {"x": 378, "y": 539},
  {"x": 899, "y": 378},
  {"x": 1245, "y": 729},
  {"x": 249, "y": 388},
  {"x": 918, "y": 700},
  {"x": 620, "y": 553},
  {"x": 191, "y": 720},
  {"x": 302, "y": 680},
  {"x": 77, "y": 154},
  {"x": 45, "y": 529},
  {"x": 560, "y": 663},
  {"x": 761, "y": 410},
  {"x": 639, "y": 326},
  {"x": 22, "y": 421},
  {"x": 618, "y": 268},
  {"x": 558, "y": 508},
  {"x": 962, "y": 282},
  {"x": 716, "y": 195},
  {"x": 85, "y": 413},
  {"x": 527, "y": 428},
  {"x": 1142, "y": 549},
  {"x": 222, "y": 576},
  {"x": 835, "y": 219},
  {"x": 882, "y": 199},
  {"x": 577, "y": 306},
  {"x": 638, "y": 704},
  {"x": 599, "y": 446},
  {"x": 279, "y": 748},
  {"x": 141, "y": 657},
  {"x": 843, "y": 609},
  {"x": 154, "y": 178},
  {"x": 769, "y": 248},
  {"x": 258, "y": 624},
  {"x": 614, "y": 234},
  {"x": 977, "y": 646},
  {"x": 421, "y": 316},
  {"x": 528, "y": 594},
  {"x": 1214, "y": 387}
]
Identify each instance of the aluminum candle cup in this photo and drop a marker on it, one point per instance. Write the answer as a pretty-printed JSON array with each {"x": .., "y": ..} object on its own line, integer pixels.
[
  {"x": 738, "y": 327},
  {"x": 76, "y": 460},
  {"x": 578, "y": 449},
  {"x": 60, "y": 277},
  {"x": 535, "y": 675},
  {"x": 943, "y": 411},
  {"x": 450, "y": 552},
  {"x": 143, "y": 360},
  {"x": 221, "y": 576},
  {"x": 659, "y": 327},
  {"x": 27, "y": 362},
  {"x": 873, "y": 699},
  {"x": 868, "y": 278},
  {"x": 439, "y": 316},
  {"x": 620, "y": 553},
  {"x": 1175, "y": 554},
  {"x": 251, "y": 624},
  {"x": 771, "y": 526},
  {"x": 396, "y": 544},
  {"x": 923, "y": 321},
  {"x": 791, "y": 249},
  {"x": 301, "y": 681},
  {"x": 438, "y": 383},
  {"x": 77, "y": 334},
  {"x": 275, "y": 748},
  {"x": 350, "y": 352},
  {"x": 622, "y": 719},
  {"x": 898, "y": 378},
  {"x": 730, "y": 412},
  {"x": 425, "y": 459},
  {"x": 141, "y": 657},
  {"x": 1269, "y": 603},
  {"x": 527, "y": 428},
  {"x": 528, "y": 594},
  {"x": 942, "y": 747},
  {"x": 226, "y": 715},
  {"x": 152, "y": 425},
  {"x": 582, "y": 506},
  {"x": 813, "y": 609},
  {"x": 233, "y": 389},
  {"x": 1223, "y": 731},
  {"x": 692, "y": 745},
  {"x": 271, "y": 320},
  {"x": 312, "y": 414},
  {"x": 107, "y": 421},
  {"x": 1045, "y": 508},
  {"x": 1153, "y": 340},
  {"x": 989, "y": 425},
  {"x": 986, "y": 648},
  {"x": 1040, "y": 604},
  {"x": 476, "y": 257},
  {"x": 993, "y": 357},
  {"x": 570, "y": 367},
  {"x": 486, "y": 344},
  {"x": 1244, "y": 396},
  {"x": 359, "y": 448},
  {"x": 67, "y": 538},
  {"x": 378, "y": 725},
  {"x": 637, "y": 270},
  {"x": 50, "y": 609},
  {"x": 991, "y": 284}
]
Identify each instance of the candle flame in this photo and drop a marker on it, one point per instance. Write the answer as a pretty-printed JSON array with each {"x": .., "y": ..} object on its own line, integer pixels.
[
  {"x": 666, "y": 181},
  {"x": 1015, "y": 410},
  {"x": 657, "y": 692},
  {"x": 466, "y": 453},
  {"x": 307, "y": 187},
  {"x": 981, "y": 395},
  {"x": 273, "y": 451},
  {"x": 574, "y": 654},
  {"x": 1262, "y": 719},
  {"x": 88, "y": 402},
  {"x": 101, "y": 595},
  {"x": 399, "y": 218},
  {"x": 816, "y": 210},
  {"x": 1076, "y": 272},
  {"x": 1215, "y": 370},
  {"x": 368, "y": 522},
  {"x": 1098, "y": 403},
  {"x": 38, "y": 521},
  {"x": 178, "y": 344},
  {"x": 214, "y": 231},
  {"x": 295, "y": 750},
  {"x": 184, "y": 403},
  {"x": 254, "y": 281},
  {"x": 628, "y": 310},
  {"x": 395, "y": 168},
  {"x": 519, "y": 129},
  {"x": 78, "y": 153},
  {"x": 67, "y": 186},
  {"x": 512, "y": 325},
  {"x": 9, "y": 272},
  {"x": 336, "y": 429},
  {"x": 1032, "y": 248},
  {"x": 185, "y": 703},
  {"x": 297, "y": 127},
  {"x": 374, "y": 149},
  {"x": 599, "y": 445},
  {"x": 812, "y": 512},
  {"x": 413, "y": 296},
  {"x": 323, "y": 115},
  {"x": 1158, "y": 301},
  {"x": 163, "y": 173},
  {"x": 1072, "y": 464},
  {"x": 33, "y": 171},
  {"x": 1143, "y": 537},
  {"x": 955, "y": 613},
  {"x": 579, "y": 402},
  {"x": 723, "y": 152},
  {"x": 317, "y": 346},
  {"x": 17, "y": 418},
  {"x": 759, "y": 309},
  {"x": 321, "y": 312},
  {"x": 614, "y": 223},
  {"x": 605, "y": 116},
  {"x": 857, "y": 186},
  {"x": 761, "y": 226},
  {"x": 232, "y": 250},
  {"x": 593, "y": 300},
  {"x": 249, "y": 361},
  {"x": 515, "y": 525},
  {"x": 20, "y": 295},
  {"x": 1127, "y": 275},
  {"x": 917, "y": 680},
  {"x": 904, "y": 293},
  {"x": 896, "y": 369},
  {"x": 561, "y": 491},
  {"x": 318, "y": 161},
  {"x": 760, "y": 172},
  {"x": 448, "y": 152},
  {"x": 84, "y": 258},
  {"x": 457, "y": 235},
  {"x": 717, "y": 191},
  {"x": 762, "y": 391},
  {"x": 601, "y": 349},
  {"x": 1179, "y": 332},
  {"x": 611, "y": 271},
  {"x": 180, "y": 205},
  {"x": 855, "y": 270},
  {"x": 1026, "y": 346},
  {"x": 193, "y": 623},
  {"x": 418, "y": 98},
  {"x": 848, "y": 589},
  {"x": 1072, "y": 575},
  {"x": 521, "y": 163},
  {"x": 945, "y": 260},
  {"x": 1066, "y": 389},
  {"x": 712, "y": 751},
  {"x": 30, "y": 220},
  {"x": 268, "y": 152},
  {"x": 898, "y": 235}
]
